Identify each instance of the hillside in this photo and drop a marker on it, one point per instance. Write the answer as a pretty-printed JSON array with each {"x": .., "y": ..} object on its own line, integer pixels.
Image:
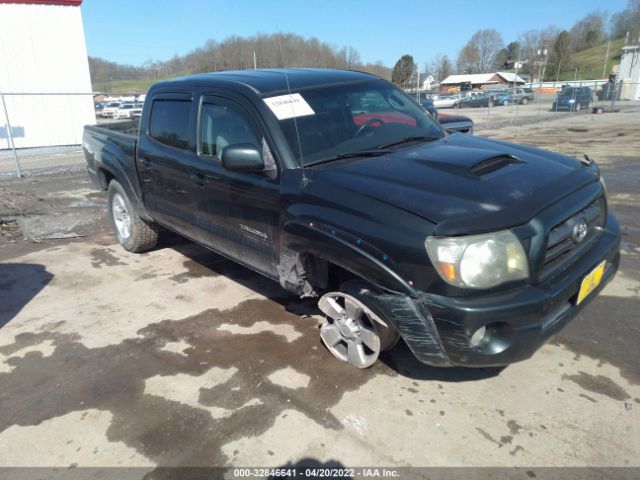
[
  {"x": 590, "y": 62},
  {"x": 123, "y": 86}
]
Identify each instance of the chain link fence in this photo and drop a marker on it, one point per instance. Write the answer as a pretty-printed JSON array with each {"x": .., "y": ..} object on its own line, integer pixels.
[
  {"x": 42, "y": 132},
  {"x": 545, "y": 101}
]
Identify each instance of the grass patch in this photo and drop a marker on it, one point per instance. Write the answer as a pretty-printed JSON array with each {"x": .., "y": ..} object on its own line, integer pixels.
[{"x": 590, "y": 62}]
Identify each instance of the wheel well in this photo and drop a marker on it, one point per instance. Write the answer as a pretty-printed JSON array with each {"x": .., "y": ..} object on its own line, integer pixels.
[
  {"x": 323, "y": 275},
  {"x": 105, "y": 178}
]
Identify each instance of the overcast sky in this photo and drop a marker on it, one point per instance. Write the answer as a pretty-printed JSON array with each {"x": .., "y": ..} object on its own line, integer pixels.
[{"x": 127, "y": 31}]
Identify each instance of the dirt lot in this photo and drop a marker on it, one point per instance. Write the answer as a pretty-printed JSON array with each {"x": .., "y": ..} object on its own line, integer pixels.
[{"x": 179, "y": 357}]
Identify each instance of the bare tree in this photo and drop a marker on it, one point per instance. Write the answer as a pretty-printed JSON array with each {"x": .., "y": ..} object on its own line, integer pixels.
[
  {"x": 627, "y": 21},
  {"x": 480, "y": 52},
  {"x": 589, "y": 31},
  {"x": 441, "y": 67},
  {"x": 468, "y": 59}
]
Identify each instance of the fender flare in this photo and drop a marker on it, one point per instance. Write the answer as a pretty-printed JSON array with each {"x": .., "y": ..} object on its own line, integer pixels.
[
  {"x": 339, "y": 248},
  {"x": 115, "y": 170}
]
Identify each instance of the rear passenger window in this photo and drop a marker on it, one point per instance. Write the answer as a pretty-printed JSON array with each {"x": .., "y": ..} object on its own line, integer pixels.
[{"x": 169, "y": 122}]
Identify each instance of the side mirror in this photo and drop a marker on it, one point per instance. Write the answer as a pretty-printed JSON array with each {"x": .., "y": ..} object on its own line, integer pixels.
[{"x": 242, "y": 157}]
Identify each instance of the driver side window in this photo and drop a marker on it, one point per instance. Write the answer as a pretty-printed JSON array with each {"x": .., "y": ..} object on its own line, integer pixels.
[{"x": 223, "y": 124}]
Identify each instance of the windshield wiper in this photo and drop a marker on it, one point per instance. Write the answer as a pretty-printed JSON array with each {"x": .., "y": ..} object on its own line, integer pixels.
[
  {"x": 358, "y": 154},
  {"x": 407, "y": 140}
]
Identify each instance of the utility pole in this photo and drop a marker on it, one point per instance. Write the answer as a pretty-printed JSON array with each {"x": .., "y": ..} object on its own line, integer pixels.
[
  {"x": 606, "y": 58},
  {"x": 255, "y": 63}
]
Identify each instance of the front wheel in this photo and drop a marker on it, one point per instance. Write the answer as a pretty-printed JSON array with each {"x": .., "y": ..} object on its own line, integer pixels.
[
  {"x": 578, "y": 107},
  {"x": 133, "y": 233},
  {"x": 355, "y": 330},
  {"x": 524, "y": 101},
  {"x": 505, "y": 103}
]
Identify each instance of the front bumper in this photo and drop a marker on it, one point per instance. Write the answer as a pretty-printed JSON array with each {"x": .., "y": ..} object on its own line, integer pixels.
[{"x": 438, "y": 329}]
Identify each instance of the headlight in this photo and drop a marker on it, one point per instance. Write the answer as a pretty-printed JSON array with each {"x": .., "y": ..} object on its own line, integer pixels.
[
  {"x": 604, "y": 185},
  {"x": 478, "y": 261},
  {"x": 572, "y": 100}
]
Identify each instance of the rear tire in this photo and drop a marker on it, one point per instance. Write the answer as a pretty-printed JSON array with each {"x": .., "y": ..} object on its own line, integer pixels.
[
  {"x": 524, "y": 101},
  {"x": 505, "y": 103},
  {"x": 133, "y": 233}
]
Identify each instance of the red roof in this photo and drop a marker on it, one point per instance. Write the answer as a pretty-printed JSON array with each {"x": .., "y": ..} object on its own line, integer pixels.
[{"x": 74, "y": 3}]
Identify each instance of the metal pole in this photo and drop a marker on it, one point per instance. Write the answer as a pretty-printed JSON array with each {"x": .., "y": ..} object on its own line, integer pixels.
[
  {"x": 12, "y": 145},
  {"x": 606, "y": 57}
]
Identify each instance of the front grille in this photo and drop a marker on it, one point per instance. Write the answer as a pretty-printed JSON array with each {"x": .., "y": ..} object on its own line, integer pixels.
[{"x": 562, "y": 245}]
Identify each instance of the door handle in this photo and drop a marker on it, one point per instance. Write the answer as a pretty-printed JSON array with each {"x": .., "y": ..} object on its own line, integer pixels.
[{"x": 146, "y": 162}]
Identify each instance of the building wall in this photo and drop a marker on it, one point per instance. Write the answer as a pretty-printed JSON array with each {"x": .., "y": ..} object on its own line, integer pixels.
[
  {"x": 629, "y": 73},
  {"x": 42, "y": 50}
]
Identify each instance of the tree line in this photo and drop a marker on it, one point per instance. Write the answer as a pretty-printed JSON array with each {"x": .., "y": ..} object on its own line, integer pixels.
[
  {"x": 238, "y": 53},
  {"x": 539, "y": 52},
  {"x": 485, "y": 51}
]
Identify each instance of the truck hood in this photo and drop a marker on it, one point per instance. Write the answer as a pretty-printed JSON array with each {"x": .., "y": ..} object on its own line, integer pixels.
[{"x": 464, "y": 184}]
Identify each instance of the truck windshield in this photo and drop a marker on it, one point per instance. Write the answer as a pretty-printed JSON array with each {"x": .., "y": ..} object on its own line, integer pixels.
[{"x": 348, "y": 118}]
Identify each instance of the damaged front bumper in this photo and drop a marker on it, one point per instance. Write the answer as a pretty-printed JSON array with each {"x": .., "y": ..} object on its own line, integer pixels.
[{"x": 517, "y": 322}]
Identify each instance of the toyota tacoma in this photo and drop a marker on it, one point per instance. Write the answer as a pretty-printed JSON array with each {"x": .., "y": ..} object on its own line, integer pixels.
[{"x": 339, "y": 186}]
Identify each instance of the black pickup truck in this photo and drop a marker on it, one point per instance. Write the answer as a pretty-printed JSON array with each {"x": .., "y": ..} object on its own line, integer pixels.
[{"x": 339, "y": 186}]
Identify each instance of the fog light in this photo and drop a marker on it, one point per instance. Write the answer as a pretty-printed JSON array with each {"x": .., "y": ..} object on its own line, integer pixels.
[{"x": 477, "y": 336}]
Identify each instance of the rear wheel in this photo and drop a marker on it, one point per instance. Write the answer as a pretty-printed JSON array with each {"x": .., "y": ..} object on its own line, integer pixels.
[
  {"x": 133, "y": 233},
  {"x": 355, "y": 331},
  {"x": 505, "y": 103},
  {"x": 524, "y": 101}
]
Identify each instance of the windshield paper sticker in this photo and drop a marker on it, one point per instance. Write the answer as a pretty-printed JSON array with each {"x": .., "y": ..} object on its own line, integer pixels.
[{"x": 289, "y": 106}]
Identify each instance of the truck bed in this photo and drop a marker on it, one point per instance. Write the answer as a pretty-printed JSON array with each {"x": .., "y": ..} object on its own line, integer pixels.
[{"x": 111, "y": 148}]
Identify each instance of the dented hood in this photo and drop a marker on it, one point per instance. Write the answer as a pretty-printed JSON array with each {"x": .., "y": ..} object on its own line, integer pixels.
[{"x": 464, "y": 184}]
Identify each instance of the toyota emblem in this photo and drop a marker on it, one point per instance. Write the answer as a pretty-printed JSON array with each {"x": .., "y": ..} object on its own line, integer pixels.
[{"x": 580, "y": 230}]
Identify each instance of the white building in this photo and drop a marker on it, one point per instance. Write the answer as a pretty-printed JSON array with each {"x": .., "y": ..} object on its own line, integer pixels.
[
  {"x": 429, "y": 83},
  {"x": 42, "y": 50},
  {"x": 629, "y": 73},
  {"x": 483, "y": 80}
]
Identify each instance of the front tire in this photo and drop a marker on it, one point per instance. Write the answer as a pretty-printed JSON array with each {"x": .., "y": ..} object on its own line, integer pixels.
[
  {"x": 505, "y": 103},
  {"x": 353, "y": 331},
  {"x": 133, "y": 233},
  {"x": 524, "y": 101}
]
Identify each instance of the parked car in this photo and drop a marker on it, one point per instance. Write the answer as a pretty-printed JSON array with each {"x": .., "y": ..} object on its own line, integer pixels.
[
  {"x": 451, "y": 123},
  {"x": 137, "y": 111},
  {"x": 501, "y": 97},
  {"x": 472, "y": 251},
  {"x": 127, "y": 110},
  {"x": 446, "y": 101},
  {"x": 522, "y": 95},
  {"x": 98, "y": 107},
  {"x": 456, "y": 123},
  {"x": 483, "y": 100},
  {"x": 573, "y": 98},
  {"x": 428, "y": 105},
  {"x": 109, "y": 109}
]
